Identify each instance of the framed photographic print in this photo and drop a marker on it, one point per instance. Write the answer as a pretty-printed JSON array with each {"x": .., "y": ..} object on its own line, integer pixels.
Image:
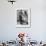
[{"x": 23, "y": 17}]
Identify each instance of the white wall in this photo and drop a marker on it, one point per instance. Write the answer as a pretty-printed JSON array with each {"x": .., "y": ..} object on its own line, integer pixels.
[{"x": 8, "y": 28}]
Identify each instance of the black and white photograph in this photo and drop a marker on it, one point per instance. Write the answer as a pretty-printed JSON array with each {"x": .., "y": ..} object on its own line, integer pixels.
[{"x": 23, "y": 17}]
